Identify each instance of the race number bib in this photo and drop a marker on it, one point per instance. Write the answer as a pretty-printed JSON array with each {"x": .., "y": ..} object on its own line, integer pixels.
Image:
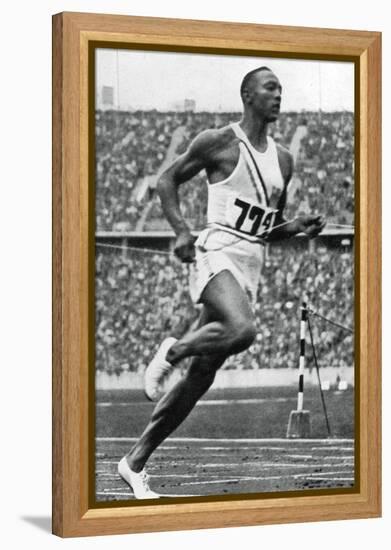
[{"x": 248, "y": 217}]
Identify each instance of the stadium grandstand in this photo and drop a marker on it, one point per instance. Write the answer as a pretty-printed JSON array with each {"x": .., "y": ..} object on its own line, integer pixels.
[{"x": 141, "y": 289}]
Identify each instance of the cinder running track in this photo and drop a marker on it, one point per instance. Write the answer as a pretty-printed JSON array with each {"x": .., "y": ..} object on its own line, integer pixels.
[{"x": 230, "y": 462}]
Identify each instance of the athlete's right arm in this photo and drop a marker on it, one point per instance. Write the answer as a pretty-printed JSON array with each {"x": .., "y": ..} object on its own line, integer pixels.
[{"x": 196, "y": 158}]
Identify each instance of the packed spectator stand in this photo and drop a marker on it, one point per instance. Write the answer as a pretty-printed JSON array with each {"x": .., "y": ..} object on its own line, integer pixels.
[{"x": 143, "y": 296}]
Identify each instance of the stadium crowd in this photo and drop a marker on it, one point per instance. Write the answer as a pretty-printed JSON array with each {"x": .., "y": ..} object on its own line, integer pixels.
[
  {"x": 131, "y": 147},
  {"x": 142, "y": 297},
  {"x": 128, "y": 147}
]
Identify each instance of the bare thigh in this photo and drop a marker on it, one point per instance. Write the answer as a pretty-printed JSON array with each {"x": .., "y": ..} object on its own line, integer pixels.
[
  {"x": 226, "y": 325},
  {"x": 225, "y": 300}
]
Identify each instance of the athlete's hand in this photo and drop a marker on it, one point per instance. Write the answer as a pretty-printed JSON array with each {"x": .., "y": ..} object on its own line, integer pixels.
[
  {"x": 184, "y": 247},
  {"x": 310, "y": 225}
]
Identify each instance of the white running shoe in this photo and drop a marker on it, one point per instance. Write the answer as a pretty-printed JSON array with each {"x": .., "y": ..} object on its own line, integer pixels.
[
  {"x": 138, "y": 481},
  {"x": 157, "y": 370}
]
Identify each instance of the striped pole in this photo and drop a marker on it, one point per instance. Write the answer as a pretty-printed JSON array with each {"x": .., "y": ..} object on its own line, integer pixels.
[
  {"x": 303, "y": 323},
  {"x": 299, "y": 424}
]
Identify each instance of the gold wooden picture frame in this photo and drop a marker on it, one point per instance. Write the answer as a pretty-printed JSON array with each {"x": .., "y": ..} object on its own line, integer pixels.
[{"x": 75, "y": 35}]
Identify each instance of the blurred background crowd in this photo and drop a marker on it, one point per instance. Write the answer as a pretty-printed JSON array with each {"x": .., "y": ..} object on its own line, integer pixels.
[
  {"x": 132, "y": 147},
  {"x": 142, "y": 296}
]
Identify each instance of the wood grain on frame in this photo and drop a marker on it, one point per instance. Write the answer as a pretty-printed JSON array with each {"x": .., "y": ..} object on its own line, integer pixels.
[{"x": 72, "y": 303}]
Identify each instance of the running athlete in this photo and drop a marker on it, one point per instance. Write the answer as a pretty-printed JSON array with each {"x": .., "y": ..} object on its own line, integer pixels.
[{"x": 248, "y": 174}]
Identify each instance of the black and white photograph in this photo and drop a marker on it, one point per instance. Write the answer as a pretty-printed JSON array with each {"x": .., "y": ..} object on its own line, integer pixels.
[{"x": 224, "y": 275}]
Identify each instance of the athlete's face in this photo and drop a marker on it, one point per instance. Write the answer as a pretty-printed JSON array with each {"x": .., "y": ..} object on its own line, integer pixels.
[{"x": 264, "y": 95}]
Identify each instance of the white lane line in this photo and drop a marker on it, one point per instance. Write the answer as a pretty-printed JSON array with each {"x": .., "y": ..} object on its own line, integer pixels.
[
  {"x": 333, "y": 448},
  {"x": 164, "y": 447},
  {"x": 343, "y": 458},
  {"x": 213, "y": 481},
  {"x": 329, "y": 479},
  {"x": 260, "y": 464},
  {"x": 177, "y": 476},
  {"x": 131, "y": 496},
  {"x": 230, "y": 450},
  {"x": 216, "y": 478},
  {"x": 321, "y": 474},
  {"x": 255, "y": 441},
  {"x": 249, "y": 401},
  {"x": 299, "y": 456},
  {"x": 346, "y": 458},
  {"x": 236, "y": 480},
  {"x": 206, "y": 402},
  {"x": 168, "y": 456},
  {"x": 314, "y": 477},
  {"x": 245, "y": 448},
  {"x": 105, "y": 475},
  {"x": 263, "y": 465},
  {"x": 322, "y": 478},
  {"x": 268, "y": 478}
]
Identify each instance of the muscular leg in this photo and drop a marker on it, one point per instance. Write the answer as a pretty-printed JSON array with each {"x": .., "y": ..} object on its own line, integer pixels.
[
  {"x": 226, "y": 315},
  {"x": 174, "y": 407},
  {"x": 232, "y": 328}
]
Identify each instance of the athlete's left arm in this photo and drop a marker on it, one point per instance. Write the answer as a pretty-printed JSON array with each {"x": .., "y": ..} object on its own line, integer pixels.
[
  {"x": 283, "y": 229},
  {"x": 285, "y": 160}
]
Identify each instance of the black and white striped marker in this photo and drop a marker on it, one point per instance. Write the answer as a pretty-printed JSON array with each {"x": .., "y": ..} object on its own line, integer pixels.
[{"x": 303, "y": 322}]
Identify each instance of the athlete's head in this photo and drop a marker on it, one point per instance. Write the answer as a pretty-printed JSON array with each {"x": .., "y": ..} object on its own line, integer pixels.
[{"x": 261, "y": 93}]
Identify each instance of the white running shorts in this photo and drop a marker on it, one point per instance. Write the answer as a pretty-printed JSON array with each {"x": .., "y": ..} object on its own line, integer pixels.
[{"x": 216, "y": 251}]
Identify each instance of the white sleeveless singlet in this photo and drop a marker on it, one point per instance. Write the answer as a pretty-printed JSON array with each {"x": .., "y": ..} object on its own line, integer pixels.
[
  {"x": 247, "y": 201},
  {"x": 240, "y": 209}
]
